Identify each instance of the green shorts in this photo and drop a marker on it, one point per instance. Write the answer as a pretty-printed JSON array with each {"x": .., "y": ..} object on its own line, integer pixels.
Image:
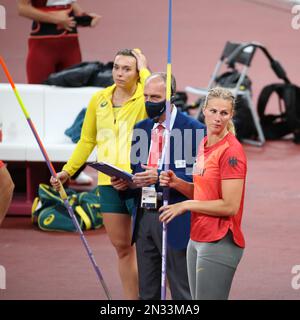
[{"x": 111, "y": 202}]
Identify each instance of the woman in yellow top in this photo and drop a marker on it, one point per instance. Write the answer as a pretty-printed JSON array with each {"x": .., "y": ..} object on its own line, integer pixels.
[{"x": 109, "y": 121}]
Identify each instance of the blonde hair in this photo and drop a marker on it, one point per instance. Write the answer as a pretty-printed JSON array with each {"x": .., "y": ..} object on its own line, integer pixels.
[{"x": 225, "y": 94}]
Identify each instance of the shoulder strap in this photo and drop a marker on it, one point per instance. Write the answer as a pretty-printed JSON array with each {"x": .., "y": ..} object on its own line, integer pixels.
[
  {"x": 291, "y": 97},
  {"x": 89, "y": 209},
  {"x": 265, "y": 95}
]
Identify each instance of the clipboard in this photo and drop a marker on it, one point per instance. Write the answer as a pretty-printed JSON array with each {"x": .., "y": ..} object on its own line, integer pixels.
[{"x": 111, "y": 170}]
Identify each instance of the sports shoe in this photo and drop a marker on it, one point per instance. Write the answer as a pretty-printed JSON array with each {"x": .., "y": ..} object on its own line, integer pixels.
[{"x": 83, "y": 179}]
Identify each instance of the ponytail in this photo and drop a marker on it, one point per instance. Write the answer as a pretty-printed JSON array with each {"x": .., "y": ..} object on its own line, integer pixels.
[{"x": 230, "y": 127}]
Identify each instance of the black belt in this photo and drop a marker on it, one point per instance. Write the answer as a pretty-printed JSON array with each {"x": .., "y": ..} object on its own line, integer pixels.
[{"x": 151, "y": 210}]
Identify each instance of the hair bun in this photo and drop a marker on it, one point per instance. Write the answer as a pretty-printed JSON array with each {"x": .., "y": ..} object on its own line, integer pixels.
[{"x": 138, "y": 50}]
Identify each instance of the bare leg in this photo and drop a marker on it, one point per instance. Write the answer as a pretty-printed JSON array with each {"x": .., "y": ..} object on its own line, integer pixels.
[
  {"x": 6, "y": 192},
  {"x": 118, "y": 228}
]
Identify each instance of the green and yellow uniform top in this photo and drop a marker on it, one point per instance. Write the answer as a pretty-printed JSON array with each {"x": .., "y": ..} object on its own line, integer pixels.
[{"x": 110, "y": 129}]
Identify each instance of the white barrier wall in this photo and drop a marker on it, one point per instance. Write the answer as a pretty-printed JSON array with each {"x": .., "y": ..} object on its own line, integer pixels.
[{"x": 52, "y": 110}]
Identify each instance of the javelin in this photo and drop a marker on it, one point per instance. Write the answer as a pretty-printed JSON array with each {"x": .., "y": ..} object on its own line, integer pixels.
[
  {"x": 62, "y": 191},
  {"x": 167, "y": 155}
]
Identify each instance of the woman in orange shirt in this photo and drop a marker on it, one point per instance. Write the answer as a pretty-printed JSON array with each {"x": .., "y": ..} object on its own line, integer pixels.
[{"x": 216, "y": 240}]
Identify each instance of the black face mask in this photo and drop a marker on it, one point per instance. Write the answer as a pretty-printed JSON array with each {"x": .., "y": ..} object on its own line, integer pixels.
[{"x": 155, "y": 109}]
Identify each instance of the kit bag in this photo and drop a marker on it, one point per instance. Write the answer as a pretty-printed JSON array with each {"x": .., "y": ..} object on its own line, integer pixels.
[
  {"x": 94, "y": 73},
  {"x": 50, "y": 214}
]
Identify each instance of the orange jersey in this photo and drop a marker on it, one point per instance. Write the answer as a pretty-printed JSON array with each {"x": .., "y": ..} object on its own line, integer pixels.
[{"x": 224, "y": 160}]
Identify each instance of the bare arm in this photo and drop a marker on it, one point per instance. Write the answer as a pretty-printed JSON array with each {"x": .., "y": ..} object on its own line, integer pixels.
[
  {"x": 77, "y": 9},
  {"x": 169, "y": 179},
  {"x": 25, "y": 9},
  {"x": 6, "y": 192},
  {"x": 228, "y": 205}
]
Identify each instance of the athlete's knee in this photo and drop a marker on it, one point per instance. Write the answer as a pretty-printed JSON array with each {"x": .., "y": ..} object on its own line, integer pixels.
[{"x": 123, "y": 249}]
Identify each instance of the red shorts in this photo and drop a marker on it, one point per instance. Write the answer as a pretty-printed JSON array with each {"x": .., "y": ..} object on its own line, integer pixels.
[{"x": 51, "y": 54}]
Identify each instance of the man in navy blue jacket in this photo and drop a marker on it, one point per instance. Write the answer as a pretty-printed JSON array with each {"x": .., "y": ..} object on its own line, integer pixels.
[{"x": 147, "y": 161}]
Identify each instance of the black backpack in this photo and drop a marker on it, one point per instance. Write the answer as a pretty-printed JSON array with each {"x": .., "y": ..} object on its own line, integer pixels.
[
  {"x": 229, "y": 79},
  {"x": 180, "y": 100},
  {"x": 276, "y": 126},
  {"x": 94, "y": 74}
]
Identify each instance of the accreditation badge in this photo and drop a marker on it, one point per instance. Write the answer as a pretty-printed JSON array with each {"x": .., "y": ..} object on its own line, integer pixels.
[{"x": 149, "y": 198}]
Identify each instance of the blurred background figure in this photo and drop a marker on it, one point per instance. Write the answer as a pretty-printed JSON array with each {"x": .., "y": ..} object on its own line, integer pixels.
[{"x": 53, "y": 42}]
